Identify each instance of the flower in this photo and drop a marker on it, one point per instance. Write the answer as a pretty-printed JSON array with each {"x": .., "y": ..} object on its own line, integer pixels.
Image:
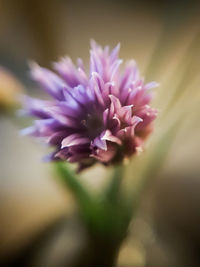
[{"x": 101, "y": 116}]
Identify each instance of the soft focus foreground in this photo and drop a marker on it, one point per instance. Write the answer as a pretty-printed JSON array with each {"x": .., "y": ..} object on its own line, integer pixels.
[
  {"x": 164, "y": 40},
  {"x": 10, "y": 89}
]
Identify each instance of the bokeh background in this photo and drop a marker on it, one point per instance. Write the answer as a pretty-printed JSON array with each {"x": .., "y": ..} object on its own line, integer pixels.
[{"x": 164, "y": 38}]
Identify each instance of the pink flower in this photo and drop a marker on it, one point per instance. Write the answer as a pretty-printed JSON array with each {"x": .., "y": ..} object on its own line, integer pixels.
[{"x": 103, "y": 115}]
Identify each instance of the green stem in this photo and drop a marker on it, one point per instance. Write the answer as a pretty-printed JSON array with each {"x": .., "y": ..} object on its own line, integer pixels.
[
  {"x": 81, "y": 195},
  {"x": 105, "y": 217},
  {"x": 113, "y": 190}
]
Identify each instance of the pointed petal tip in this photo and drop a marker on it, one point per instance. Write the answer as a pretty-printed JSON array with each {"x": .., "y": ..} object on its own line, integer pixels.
[
  {"x": 93, "y": 44},
  {"x": 132, "y": 62},
  {"x": 151, "y": 85},
  {"x": 27, "y": 131},
  {"x": 118, "y": 45},
  {"x": 32, "y": 64},
  {"x": 108, "y": 136},
  {"x": 137, "y": 119},
  {"x": 35, "y": 70}
]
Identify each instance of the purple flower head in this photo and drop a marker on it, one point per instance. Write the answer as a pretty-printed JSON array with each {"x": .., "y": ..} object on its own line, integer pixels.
[{"x": 103, "y": 115}]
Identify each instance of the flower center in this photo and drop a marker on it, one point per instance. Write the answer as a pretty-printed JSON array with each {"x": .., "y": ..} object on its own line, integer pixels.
[{"x": 93, "y": 125}]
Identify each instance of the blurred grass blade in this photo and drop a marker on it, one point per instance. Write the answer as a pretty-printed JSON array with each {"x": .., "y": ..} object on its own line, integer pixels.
[
  {"x": 174, "y": 19},
  {"x": 190, "y": 72},
  {"x": 157, "y": 156}
]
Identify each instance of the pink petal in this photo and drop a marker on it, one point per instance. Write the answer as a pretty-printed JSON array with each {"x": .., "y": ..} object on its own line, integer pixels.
[
  {"x": 74, "y": 139},
  {"x": 109, "y": 137},
  {"x": 99, "y": 142}
]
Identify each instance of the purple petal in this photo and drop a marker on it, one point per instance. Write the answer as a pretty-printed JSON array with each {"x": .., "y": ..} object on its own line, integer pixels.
[
  {"x": 115, "y": 52},
  {"x": 70, "y": 73},
  {"x": 99, "y": 142},
  {"x": 151, "y": 85},
  {"x": 57, "y": 137},
  {"x": 74, "y": 140},
  {"x": 109, "y": 137},
  {"x": 115, "y": 104},
  {"x": 104, "y": 156},
  {"x": 48, "y": 80}
]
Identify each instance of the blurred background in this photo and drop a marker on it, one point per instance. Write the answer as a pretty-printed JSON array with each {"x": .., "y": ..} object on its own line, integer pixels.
[{"x": 164, "y": 38}]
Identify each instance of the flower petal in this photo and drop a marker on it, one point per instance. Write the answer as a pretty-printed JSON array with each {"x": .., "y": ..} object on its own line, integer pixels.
[
  {"x": 74, "y": 140},
  {"x": 109, "y": 137},
  {"x": 48, "y": 80},
  {"x": 99, "y": 142}
]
